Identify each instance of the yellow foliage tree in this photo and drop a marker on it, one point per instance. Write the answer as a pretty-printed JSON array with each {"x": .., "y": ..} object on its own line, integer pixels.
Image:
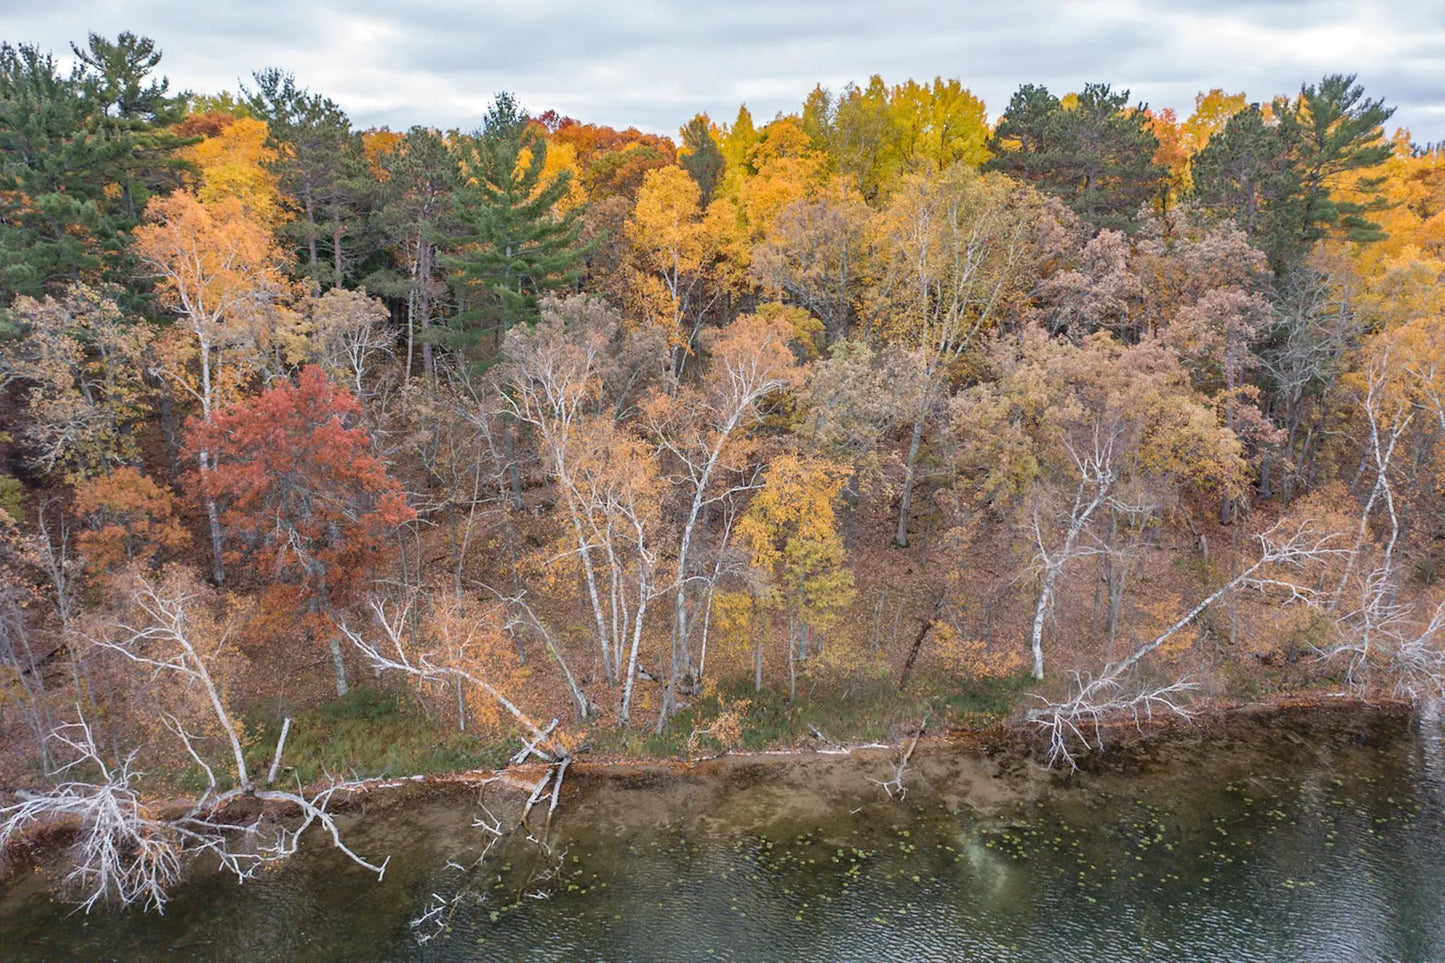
[
  {"x": 938, "y": 125},
  {"x": 955, "y": 253},
  {"x": 785, "y": 170},
  {"x": 684, "y": 259},
  {"x": 82, "y": 362},
  {"x": 1212, "y": 111},
  {"x": 790, "y": 530},
  {"x": 236, "y": 164},
  {"x": 1399, "y": 275}
]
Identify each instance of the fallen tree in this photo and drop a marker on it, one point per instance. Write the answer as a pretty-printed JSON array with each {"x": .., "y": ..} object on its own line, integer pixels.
[
  {"x": 1074, "y": 725},
  {"x": 130, "y": 851}
]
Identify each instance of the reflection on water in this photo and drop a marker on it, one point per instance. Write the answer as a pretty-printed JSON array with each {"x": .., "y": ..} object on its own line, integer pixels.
[{"x": 1281, "y": 839}]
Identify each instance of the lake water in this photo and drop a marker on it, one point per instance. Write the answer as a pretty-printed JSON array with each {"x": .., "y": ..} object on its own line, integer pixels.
[{"x": 1304, "y": 836}]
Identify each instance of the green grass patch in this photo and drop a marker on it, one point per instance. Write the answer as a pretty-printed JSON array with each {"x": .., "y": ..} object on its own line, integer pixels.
[
  {"x": 383, "y": 732},
  {"x": 868, "y": 709},
  {"x": 374, "y": 733},
  {"x": 986, "y": 702}
]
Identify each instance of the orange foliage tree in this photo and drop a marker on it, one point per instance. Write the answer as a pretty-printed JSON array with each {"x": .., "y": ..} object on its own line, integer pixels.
[
  {"x": 302, "y": 490},
  {"x": 215, "y": 264},
  {"x": 127, "y": 518}
]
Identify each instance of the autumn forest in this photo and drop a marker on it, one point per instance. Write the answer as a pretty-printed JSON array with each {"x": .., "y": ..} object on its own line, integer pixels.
[{"x": 405, "y": 446}]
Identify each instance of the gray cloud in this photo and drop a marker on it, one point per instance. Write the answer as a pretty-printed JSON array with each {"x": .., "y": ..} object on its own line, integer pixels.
[{"x": 653, "y": 64}]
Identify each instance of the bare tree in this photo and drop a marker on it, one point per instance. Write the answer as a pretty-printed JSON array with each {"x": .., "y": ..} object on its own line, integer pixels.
[
  {"x": 347, "y": 331},
  {"x": 554, "y": 377},
  {"x": 702, "y": 430},
  {"x": 1380, "y": 635},
  {"x": 128, "y": 850},
  {"x": 1097, "y": 476},
  {"x": 1074, "y": 725},
  {"x": 402, "y": 655},
  {"x": 1315, "y": 328},
  {"x": 18, "y": 656},
  {"x": 817, "y": 254}
]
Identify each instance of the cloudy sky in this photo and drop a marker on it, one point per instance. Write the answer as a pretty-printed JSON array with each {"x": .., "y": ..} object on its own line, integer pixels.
[{"x": 653, "y": 63}]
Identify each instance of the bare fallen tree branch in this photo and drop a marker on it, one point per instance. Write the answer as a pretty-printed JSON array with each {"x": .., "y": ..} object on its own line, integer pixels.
[
  {"x": 1074, "y": 725},
  {"x": 546, "y": 743},
  {"x": 894, "y": 787},
  {"x": 127, "y": 851}
]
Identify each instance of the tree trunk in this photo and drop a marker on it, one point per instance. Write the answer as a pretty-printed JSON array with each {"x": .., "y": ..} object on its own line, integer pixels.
[
  {"x": 428, "y": 358},
  {"x": 168, "y": 435},
  {"x": 310, "y": 232},
  {"x": 339, "y": 664},
  {"x": 218, "y": 571},
  {"x": 1054, "y": 567},
  {"x": 918, "y": 642},
  {"x": 900, "y": 537},
  {"x": 410, "y": 329},
  {"x": 625, "y": 715},
  {"x": 213, "y": 519},
  {"x": 336, "y": 257},
  {"x": 792, "y": 660},
  {"x": 1114, "y": 579},
  {"x": 758, "y": 664},
  {"x": 1041, "y": 610},
  {"x": 454, "y": 547},
  {"x": 514, "y": 475}
]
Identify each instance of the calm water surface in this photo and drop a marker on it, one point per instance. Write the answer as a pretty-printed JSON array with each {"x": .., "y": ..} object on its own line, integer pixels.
[{"x": 1315, "y": 837}]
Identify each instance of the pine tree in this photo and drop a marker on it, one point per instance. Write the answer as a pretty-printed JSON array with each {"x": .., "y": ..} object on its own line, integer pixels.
[
  {"x": 1279, "y": 182},
  {"x": 68, "y": 140},
  {"x": 415, "y": 214},
  {"x": 1096, "y": 153},
  {"x": 512, "y": 247},
  {"x": 701, "y": 157},
  {"x": 322, "y": 167},
  {"x": 1244, "y": 174},
  {"x": 1332, "y": 130}
]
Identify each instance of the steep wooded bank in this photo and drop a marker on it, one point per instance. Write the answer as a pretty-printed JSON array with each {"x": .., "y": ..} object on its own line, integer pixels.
[{"x": 810, "y": 428}]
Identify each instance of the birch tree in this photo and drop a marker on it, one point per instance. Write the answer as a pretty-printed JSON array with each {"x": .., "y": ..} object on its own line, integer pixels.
[
  {"x": 213, "y": 265},
  {"x": 127, "y": 850},
  {"x": 1070, "y": 433},
  {"x": 1287, "y": 553},
  {"x": 703, "y": 431},
  {"x": 955, "y": 254}
]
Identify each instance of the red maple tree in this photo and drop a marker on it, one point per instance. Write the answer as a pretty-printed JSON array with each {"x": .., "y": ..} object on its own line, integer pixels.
[{"x": 303, "y": 498}]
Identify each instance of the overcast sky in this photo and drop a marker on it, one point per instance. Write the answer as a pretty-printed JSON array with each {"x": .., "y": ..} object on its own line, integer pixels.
[{"x": 653, "y": 64}]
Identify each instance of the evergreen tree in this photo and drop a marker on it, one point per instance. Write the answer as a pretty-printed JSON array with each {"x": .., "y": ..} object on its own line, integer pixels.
[
  {"x": 136, "y": 110},
  {"x": 1096, "y": 153},
  {"x": 323, "y": 168},
  {"x": 1244, "y": 174},
  {"x": 1279, "y": 181},
  {"x": 701, "y": 157},
  {"x": 415, "y": 212},
  {"x": 67, "y": 141},
  {"x": 511, "y": 247},
  {"x": 1332, "y": 130}
]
